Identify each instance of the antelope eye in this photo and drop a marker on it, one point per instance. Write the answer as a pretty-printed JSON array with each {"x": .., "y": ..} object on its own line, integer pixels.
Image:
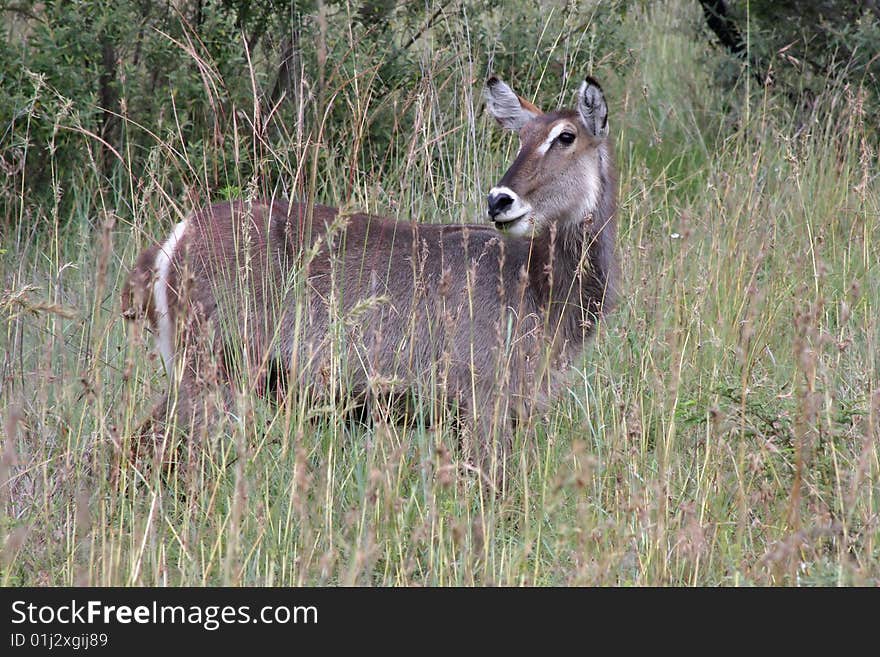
[{"x": 566, "y": 137}]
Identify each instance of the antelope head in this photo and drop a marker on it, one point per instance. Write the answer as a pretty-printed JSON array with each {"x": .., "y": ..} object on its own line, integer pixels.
[{"x": 558, "y": 174}]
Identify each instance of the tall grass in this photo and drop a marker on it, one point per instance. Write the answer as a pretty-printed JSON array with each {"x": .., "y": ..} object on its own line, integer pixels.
[{"x": 721, "y": 429}]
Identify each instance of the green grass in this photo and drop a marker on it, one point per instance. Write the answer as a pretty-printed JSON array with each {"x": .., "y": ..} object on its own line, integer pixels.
[{"x": 721, "y": 429}]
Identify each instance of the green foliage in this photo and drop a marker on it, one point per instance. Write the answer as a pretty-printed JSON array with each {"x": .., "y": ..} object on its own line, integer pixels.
[
  {"x": 807, "y": 45},
  {"x": 721, "y": 429},
  {"x": 101, "y": 86},
  {"x": 88, "y": 84}
]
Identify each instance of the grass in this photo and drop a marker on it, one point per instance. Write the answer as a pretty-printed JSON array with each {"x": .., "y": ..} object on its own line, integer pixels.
[{"x": 721, "y": 429}]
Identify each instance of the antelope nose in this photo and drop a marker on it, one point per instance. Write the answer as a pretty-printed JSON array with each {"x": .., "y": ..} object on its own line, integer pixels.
[{"x": 498, "y": 203}]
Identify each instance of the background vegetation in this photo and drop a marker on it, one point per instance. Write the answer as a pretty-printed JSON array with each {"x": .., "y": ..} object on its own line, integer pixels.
[{"x": 721, "y": 429}]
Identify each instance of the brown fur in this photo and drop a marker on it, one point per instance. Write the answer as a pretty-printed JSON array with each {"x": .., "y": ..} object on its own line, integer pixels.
[{"x": 373, "y": 308}]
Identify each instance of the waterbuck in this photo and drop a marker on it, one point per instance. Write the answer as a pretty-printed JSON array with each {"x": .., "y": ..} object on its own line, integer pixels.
[{"x": 481, "y": 318}]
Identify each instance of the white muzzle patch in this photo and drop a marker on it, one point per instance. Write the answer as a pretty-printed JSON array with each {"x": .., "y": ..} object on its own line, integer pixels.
[{"x": 509, "y": 207}]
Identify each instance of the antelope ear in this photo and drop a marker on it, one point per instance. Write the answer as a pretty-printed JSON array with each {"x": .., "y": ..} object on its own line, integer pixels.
[
  {"x": 511, "y": 111},
  {"x": 592, "y": 108}
]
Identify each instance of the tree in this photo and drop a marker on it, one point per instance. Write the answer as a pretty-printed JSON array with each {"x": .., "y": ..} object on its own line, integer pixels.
[{"x": 801, "y": 44}]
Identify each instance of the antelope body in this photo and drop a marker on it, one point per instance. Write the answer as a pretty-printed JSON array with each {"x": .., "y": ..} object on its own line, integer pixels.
[{"x": 483, "y": 317}]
